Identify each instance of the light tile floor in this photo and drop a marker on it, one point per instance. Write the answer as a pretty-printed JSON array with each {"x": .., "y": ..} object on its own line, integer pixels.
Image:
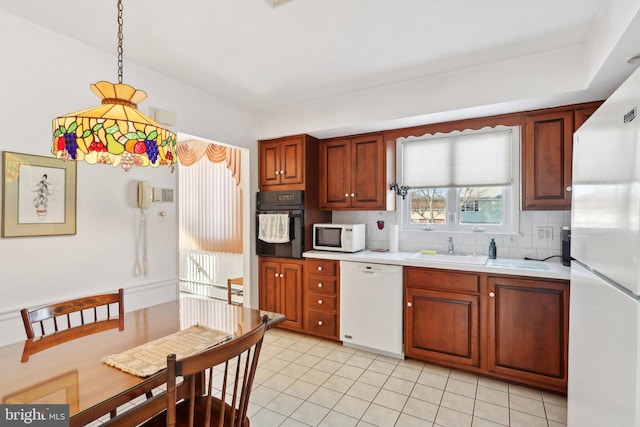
[{"x": 306, "y": 381}]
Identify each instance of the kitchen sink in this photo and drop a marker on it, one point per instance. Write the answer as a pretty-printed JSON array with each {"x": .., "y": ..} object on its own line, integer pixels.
[{"x": 450, "y": 258}]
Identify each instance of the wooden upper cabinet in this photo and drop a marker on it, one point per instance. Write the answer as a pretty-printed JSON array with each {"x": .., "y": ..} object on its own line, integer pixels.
[
  {"x": 354, "y": 173},
  {"x": 580, "y": 115},
  {"x": 546, "y": 161},
  {"x": 547, "y": 150},
  {"x": 281, "y": 163},
  {"x": 335, "y": 170}
]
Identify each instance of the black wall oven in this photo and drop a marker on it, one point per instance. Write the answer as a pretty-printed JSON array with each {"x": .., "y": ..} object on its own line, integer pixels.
[{"x": 290, "y": 203}]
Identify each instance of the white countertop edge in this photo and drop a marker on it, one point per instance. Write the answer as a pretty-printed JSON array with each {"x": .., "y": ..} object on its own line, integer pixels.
[{"x": 556, "y": 269}]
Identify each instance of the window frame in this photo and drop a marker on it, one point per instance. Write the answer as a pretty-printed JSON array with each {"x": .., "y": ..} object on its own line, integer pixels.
[{"x": 510, "y": 193}]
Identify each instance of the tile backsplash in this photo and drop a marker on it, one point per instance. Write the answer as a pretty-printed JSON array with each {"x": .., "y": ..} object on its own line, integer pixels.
[{"x": 526, "y": 244}]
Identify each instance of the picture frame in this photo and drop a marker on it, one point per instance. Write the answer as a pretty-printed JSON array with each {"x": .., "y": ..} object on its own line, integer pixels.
[{"x": 38, "y": 195}]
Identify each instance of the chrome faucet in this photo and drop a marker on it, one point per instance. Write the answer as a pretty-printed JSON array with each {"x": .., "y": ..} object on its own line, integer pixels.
[{"x": 450, "y": 245}]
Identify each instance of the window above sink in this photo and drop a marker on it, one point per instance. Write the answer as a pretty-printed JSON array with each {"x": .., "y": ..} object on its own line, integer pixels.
[{"x": 462, "y": 181}]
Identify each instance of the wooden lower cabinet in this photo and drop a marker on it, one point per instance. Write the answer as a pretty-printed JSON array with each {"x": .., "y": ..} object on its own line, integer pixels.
[
  {"x": 508, "y": 327},
  {"x": 442, "y": 323},
  {"x": 306, "y": 292},
  {"x": 280, "y": 287},
  {"x": 322, "y": 298},
  {"x": 528, "y": 330}
]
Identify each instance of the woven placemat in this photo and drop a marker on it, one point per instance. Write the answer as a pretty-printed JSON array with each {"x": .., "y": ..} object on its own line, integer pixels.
[{"x": 149, "y": 358}]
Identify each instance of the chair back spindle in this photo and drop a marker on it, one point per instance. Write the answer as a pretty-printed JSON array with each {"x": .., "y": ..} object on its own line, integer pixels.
[
  {"x": 201, "y": 398},
  {"x": 56, "y": 317}
]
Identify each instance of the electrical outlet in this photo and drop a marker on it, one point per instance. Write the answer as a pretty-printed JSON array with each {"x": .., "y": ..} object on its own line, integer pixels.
[{"x": 544, "y": 233}]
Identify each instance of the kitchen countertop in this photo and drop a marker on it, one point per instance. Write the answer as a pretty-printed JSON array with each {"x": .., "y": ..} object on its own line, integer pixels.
[{"x": 517, "y": 267}]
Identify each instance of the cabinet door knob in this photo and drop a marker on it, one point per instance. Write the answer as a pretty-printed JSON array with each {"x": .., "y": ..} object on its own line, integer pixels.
[
  {"x": 346, "y": 195},
  {"x": 319, "y": 322},
  {"x": 281, "y": 275},
  {"x": 281, "y": 172},
  {"x": 276, "y": 274},
  {"x": 409, "y": 304},
  {"x": 319, "y": 301},
  {"x": 353, "y": 194},
  {"x": 277, "y": 172},
  {"x": 569, "y": 188},
  {"x": 319, "y": 285},
  {"x": 492, "y": 294}
]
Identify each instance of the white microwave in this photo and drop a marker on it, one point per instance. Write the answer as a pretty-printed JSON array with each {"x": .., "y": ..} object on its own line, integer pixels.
[{"x": 339, "y": 237}]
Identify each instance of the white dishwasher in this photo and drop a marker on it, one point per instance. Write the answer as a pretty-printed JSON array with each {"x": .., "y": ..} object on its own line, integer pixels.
[{"x": 371, "y": 307}]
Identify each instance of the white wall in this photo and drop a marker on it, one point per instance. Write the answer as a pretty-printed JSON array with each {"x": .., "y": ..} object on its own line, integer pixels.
[
  {"x": 45, "y": 75},
  {"x": 547, "y": 79}
]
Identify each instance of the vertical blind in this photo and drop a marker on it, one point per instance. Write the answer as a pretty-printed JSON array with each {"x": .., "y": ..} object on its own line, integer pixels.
[
  {"x": 210, "y": 199},
  {"x": 458, "y": 159}
]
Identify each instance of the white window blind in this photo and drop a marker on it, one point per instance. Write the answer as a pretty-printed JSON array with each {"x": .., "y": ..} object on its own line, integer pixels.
[
  {"x": 458, "y": 159},
  {"x": 210, "y": 197}
]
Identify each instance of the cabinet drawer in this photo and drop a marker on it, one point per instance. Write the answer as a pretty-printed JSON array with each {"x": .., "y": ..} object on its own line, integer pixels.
[
  {"x": 437, "y": 279},
  {"x": 322, "y": 267},
  {"x": 321, "y": 301},
  {"x": 322, "y": 322},
  {"x": 321, "y": 284}
]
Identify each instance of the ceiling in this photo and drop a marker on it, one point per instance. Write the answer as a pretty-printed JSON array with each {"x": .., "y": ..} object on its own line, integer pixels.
[{"x": 266, "y": 58}]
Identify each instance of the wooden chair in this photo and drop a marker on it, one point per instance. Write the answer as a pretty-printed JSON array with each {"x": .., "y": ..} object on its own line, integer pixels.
[
  {"x": 234, "y": 291},
  {"x": 56, "y": 317},
  {"x": 196, "y": 401}
]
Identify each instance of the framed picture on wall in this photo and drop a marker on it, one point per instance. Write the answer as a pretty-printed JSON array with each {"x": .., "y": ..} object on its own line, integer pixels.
[{"x": 38, "y": 195}]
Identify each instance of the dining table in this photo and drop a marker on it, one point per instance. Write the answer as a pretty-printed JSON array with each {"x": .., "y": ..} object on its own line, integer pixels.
[{"x": 68, "y": 368}]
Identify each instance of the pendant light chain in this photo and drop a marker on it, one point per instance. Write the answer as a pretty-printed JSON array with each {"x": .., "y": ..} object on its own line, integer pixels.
[{"x": 120, "y": 22}]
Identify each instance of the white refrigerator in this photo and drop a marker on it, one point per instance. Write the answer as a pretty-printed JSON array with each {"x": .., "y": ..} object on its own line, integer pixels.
[{"x": 604, "y": 322}]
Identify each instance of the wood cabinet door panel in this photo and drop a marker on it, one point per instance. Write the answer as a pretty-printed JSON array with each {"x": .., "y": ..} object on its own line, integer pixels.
[
  {"x": 292, "y": 161},
  {"x": 269, "y": 283},
  {"x": 367, "y": 172},
  {"x": 443, "y": 326},
  {"x": 269, "y": 163},
  {"x": 334, "y": 174},
  {"x": 547, "y": 151},
  {"x": 528, "y": 328},
  {"x": 291, "y": 293}
]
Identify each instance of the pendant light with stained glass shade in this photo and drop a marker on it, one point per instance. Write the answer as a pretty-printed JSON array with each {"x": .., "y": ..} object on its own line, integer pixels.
[{"x": 114, "y": 132}]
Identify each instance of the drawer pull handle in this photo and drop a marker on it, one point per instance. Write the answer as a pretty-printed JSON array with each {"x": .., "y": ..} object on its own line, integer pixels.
[
  {"x": 319, "y": 322},
  {"x": 319, "y": 285},
  {"x": 319, "y": 301},
  {"x": 492, "y": 294},
  {"x": 319, "y": 268}
]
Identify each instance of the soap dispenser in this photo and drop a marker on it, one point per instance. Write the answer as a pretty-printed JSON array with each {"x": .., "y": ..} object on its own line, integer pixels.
[{"x": 492, "y": 249}]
